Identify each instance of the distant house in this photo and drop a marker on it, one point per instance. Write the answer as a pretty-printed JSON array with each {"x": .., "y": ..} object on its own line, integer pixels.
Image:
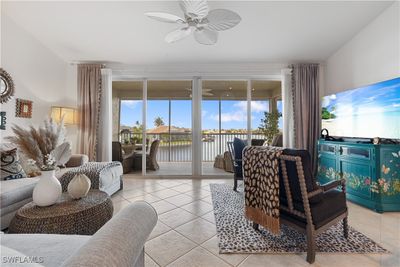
[
  {"x": 177, "y": 133},
  {"x": 163, "y": 129}
]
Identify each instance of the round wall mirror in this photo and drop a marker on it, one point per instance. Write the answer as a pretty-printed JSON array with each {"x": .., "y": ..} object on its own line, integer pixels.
[{"x": 6, "y": 86}]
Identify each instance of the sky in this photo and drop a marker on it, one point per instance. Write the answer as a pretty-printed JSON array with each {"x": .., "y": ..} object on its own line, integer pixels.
[
  {"x": 381, "y": 97},
  {"x": 370, "y": 111},
  {"x": 233, "y": 113}
]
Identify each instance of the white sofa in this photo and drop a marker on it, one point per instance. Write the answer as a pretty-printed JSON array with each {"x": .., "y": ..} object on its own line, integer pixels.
[
  {"x": 16, "y": 193},
  {"x": 120, "y": 242}
]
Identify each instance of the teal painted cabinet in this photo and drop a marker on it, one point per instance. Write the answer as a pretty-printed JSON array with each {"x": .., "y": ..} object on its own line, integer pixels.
[{"x": 372, "y": 172}]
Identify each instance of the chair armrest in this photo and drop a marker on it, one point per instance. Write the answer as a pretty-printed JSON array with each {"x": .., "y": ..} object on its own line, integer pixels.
[
  {"x": 334, "y": 184},
  {"x": 120, "y": 242},
  {"x": 77, "y": 160}
]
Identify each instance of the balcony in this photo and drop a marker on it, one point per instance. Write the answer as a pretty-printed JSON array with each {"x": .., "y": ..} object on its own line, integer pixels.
[{"x": 175, "y": 150}]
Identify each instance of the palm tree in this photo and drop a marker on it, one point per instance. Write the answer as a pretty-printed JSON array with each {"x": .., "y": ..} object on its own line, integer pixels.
[{"x": 158, "y": 121}]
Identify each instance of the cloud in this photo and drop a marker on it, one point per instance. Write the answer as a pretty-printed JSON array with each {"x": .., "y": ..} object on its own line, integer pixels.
[
  {"x": 229, "y": 117},
  {"x": 240, "y": 112},
  {"x": 130, "y": 103},
  {"x": 256, "y": 106},
  {"x": 259, "y": 106}
]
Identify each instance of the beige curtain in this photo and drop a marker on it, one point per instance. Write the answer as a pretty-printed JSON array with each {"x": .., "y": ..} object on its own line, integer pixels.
[
  {"x": 306, "y": 108},
  {"x": 89, "y": 96}
]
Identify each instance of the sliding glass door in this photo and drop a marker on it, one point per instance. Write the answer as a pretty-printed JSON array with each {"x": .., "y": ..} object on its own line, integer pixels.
[
  {"x": 127, "y": 124},
  {"x": 266, "y": 108},
  {"x": 154, "y": 121},
  {"x": 224, "y": 117},
  {"x": 169, "y": 124}
]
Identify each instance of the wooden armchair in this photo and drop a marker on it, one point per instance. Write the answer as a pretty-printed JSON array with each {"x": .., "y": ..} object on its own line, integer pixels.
[{"x": 306, "y": 206}]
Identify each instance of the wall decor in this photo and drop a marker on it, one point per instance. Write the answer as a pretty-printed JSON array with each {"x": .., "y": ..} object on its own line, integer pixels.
[
  {"x": 23, "y": 108},
  {"x": 2, "y": 120},
  {"x": 6, "y": 86}
]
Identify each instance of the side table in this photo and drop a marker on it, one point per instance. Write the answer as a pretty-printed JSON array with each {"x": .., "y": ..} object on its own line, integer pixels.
[{"x": 68, "y": 216}]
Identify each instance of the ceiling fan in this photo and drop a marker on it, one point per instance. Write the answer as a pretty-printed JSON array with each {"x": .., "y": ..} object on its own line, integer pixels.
[
  {"x": 199, "y": 20},
  {"x": 205, "y": 92}
]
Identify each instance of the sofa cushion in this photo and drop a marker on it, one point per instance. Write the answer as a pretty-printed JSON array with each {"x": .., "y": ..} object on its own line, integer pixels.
[
  {"x": 53, "y": 250},
  {"x": 332, "y": 204},
  {"x": 10, "y": 165},
  {"x": 16, "y": 190}
]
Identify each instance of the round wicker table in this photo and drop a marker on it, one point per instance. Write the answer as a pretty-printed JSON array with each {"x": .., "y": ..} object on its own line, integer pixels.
[{"x": 68, "y": 216}]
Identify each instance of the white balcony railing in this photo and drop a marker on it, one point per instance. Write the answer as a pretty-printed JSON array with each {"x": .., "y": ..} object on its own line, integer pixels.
[{"x": 177, "y": 147}]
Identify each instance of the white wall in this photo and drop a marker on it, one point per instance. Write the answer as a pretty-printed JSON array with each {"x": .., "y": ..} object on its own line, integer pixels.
[
  {"x": 371, "y": 56},
  {"x": 38, "y": 74}
]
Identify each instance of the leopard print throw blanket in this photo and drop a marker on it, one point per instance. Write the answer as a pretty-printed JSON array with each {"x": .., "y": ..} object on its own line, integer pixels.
[{"x": 261, "y": 185}]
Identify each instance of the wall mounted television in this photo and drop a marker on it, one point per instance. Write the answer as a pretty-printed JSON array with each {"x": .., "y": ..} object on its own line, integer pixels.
[{"x": 366, "y": 112}]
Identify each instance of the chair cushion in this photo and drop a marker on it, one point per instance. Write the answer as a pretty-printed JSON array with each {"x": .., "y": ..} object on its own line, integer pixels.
[
  {"x": 332, "y": 204},
  {"x": 311, "y": 184}
]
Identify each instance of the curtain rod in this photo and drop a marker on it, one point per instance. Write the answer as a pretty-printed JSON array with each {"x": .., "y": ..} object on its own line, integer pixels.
[{"x": 73, "y": 63}]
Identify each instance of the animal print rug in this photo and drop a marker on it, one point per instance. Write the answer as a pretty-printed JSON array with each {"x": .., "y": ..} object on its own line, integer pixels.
[{"x": 236, "y": 234}]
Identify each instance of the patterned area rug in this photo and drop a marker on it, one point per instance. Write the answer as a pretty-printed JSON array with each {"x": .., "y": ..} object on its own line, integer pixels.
[{"x": 236, "y": 234}]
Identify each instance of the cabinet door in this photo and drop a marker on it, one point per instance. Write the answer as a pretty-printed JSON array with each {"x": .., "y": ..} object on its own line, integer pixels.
[
  {"x": 358, "y": 177},
  {"x": 388, "y": 183},
  {"x": 327, "y": 168}
]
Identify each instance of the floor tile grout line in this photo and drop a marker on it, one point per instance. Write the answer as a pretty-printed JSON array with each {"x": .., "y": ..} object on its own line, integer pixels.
[
  {"x": 184, "y": 253},
  {"x": 151, "y": 258},
  {"x": 197, "y": 246},
  {"x": 216, "y": 235}
]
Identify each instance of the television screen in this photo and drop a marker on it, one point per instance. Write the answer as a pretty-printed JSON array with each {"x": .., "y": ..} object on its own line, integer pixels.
[{"x": 370, "y": 111}]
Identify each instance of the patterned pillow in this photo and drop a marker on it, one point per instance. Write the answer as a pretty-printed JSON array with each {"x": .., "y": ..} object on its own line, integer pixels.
[{"x": 10, "y": 166}]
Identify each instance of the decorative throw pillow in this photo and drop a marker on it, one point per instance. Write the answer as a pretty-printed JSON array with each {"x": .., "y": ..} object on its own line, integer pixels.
[
  {"x": 10, "y": 166},
  {"x": 238, "y": 146}
]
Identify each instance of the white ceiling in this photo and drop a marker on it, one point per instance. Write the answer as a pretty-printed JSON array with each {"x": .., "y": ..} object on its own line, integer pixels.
[{"x": 119, "y": 33}]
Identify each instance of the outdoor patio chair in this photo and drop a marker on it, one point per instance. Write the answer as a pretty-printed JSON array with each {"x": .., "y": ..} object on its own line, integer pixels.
[
  {"x": 235, "y": 149},
  {"x": 277, "y": 140},
  {"x": 151, "y": 157},
  {"x": 306, "y": 206},
  {"x": 125, "y": 159}
]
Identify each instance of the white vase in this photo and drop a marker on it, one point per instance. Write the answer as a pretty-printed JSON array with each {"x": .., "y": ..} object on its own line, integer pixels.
[
  {"x": 47, "y": 190},
  {"x": 79, "y": 186}
]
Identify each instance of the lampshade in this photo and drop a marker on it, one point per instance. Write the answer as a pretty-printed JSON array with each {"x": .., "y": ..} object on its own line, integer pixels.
[{"x": 70, "y": 115}]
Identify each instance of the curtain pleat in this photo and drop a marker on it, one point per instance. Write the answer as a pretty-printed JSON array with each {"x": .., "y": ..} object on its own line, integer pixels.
[
  {"x": 89, "y": 96},
  {"x": 306, "y": 105}
]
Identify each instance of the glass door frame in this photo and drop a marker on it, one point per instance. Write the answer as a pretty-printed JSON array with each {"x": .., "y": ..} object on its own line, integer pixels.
[{"x": 197, "y": 98}]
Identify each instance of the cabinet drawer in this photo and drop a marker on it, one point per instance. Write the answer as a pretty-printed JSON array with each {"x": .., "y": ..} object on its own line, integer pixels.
[
  {"x": 356, "y": 152},
  {"x": 327, "y": 149}
]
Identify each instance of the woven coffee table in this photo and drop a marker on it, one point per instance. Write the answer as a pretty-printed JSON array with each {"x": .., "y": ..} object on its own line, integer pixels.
[{"x": 82, "y": 217}]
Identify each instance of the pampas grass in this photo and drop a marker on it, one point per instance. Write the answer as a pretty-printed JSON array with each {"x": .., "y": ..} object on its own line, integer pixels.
[{"x": 37, "y": 143}]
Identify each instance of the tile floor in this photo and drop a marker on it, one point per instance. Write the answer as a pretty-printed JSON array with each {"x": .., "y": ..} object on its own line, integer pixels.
[
  {"x": 183, "y": 168},
  {"x": 185, "y": 234}
]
